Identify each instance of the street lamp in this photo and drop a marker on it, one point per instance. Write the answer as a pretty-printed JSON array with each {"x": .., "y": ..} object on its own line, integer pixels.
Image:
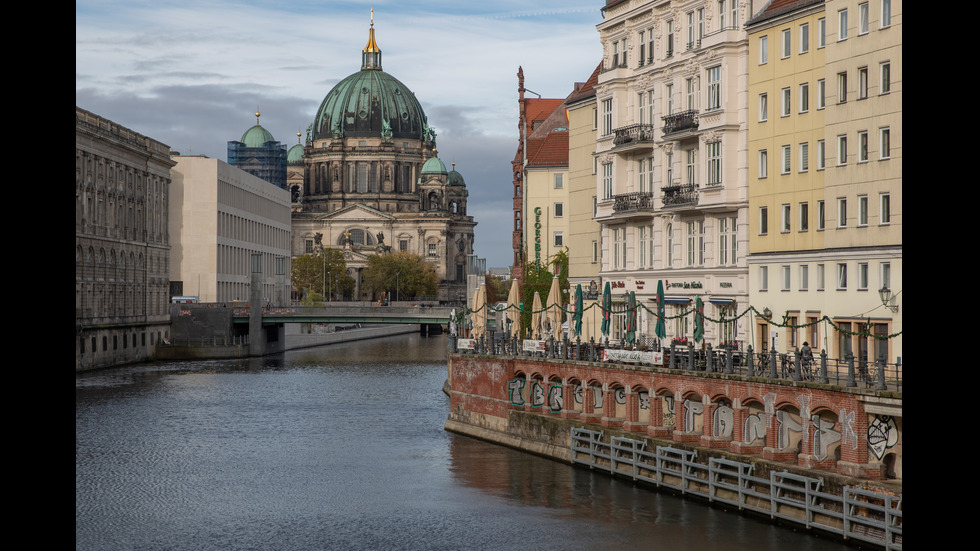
[{"x": 887, "y": 299}]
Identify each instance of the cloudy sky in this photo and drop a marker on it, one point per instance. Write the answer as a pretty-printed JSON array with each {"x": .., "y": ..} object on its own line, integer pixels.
[{"x": 191, "y": 74}]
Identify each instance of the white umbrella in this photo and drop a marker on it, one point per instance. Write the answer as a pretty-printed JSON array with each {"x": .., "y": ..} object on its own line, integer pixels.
[
  {"x": 514, "y": 306},
  {"x": 536, "y": 317},
  {"x": 479, "y": 313},
  {"x": 554, "y": 307}
]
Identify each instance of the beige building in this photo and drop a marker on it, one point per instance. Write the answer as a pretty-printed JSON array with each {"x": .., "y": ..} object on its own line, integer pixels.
[
  {"x": 671, "y": 160},
  {"x": 221, "y": 217},
  {"x": 373, "y": 181},
  {"x": 584, "y": 232},
  {"x": 825, "y": 230},
  {"x": 122, "y": 243},
  {"x": 546, "y": 188}
]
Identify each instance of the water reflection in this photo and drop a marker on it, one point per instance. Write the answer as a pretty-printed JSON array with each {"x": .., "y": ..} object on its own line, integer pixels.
[{"x": 343, "y": 447}]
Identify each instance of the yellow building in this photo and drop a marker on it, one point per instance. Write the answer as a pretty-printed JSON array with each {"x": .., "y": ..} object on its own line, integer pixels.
[
  {"x": 825, "y": 169},
  {"x": 584, "y": 232}
]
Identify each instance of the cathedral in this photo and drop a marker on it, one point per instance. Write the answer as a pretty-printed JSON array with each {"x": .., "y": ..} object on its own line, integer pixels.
[{"x": 373, "y": 183}]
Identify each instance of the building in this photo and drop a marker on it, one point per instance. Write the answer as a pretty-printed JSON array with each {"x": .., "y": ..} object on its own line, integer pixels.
[
  {"x": 671, "y": 161},
  {"x": 532, "y": 113},
  {"x": 122, "y": 243},
  {"x": 260, "y": 154},
  {"x": 221, "y": 217},
  {"x": 826, "y": 178},
  {"x": 373, "y": 181},
  {"x": 294, "y": 171},
  {"x": 584, "y": 233},
  {"x": 546, "y": 188}
]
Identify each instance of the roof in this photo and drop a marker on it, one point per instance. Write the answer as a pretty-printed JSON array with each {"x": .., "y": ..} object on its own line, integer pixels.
[
  {"x": 585, "y": 89},
  {"x": 551, "y": 150},
  {"x": 780, "y": 7}
]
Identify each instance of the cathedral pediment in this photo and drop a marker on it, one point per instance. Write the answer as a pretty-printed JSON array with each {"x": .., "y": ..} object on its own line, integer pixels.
[{"x": 356, "y": 213}]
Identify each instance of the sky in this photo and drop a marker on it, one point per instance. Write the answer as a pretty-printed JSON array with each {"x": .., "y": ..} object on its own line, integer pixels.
[{"x": 192, "y": 73}]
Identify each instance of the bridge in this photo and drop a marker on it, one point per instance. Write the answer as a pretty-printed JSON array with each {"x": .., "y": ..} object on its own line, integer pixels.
[{"x": 351, "y": 313}]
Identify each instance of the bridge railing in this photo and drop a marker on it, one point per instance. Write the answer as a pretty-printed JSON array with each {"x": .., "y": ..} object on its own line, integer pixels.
[{"x": 849, "y": 372}]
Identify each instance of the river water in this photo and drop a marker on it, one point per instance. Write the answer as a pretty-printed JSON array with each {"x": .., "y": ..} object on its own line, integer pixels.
[{"x": 343, "y": 447}]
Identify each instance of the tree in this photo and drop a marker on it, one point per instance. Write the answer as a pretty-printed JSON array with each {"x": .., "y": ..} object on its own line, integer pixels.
[
  {"x": 537, "y": 278},
  {"x": 324, "y": 273},
  {"x": 403, "y": 274}
]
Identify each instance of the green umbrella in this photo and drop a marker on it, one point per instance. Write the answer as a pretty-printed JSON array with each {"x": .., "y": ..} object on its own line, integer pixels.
[
  {"x": 631, "y": 319},
  {"x": 606, "y": 309},
  {"x": 698, "y": 320},
  {"x": 577, "y": 318},
  {"x": 661, "y": 329}
]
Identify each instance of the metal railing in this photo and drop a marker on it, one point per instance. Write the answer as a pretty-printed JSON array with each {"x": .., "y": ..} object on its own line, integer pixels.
[
  {"x": 855, "y": 513},
  {"x": 677, "y": 122},
  {"x": 633, "y": 133},
  {"x": 686, "y": 194},
  {"x": 848, "y": 372},
  {"x": 635, "y": 201}
]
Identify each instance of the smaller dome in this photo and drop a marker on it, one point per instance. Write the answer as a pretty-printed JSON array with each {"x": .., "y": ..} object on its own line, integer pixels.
[
  {"x": 455, "y": 178},
  {"x": 434, "y": 166},
  {"x": 256, "y": 136},
  {"x": 295, "y": 155}
]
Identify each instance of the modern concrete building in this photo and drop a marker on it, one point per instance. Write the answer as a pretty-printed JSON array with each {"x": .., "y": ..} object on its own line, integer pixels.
[
  {"x": 260, "y": 154},
  {"x": 221, "y": 217},
  {"x": 826, "y": 176},
  {"x": 122, "y": 243},
  {"x": 373, "y": 181},
  {"x": 671, "y": 161}
]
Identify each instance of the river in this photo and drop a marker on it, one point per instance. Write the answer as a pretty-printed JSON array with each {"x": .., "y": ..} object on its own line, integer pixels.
[{"x": 343, "y": 447}]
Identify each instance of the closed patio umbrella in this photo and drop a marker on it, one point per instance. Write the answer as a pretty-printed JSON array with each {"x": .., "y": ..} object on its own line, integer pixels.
[
  {"x": 554, "y": 311},
  {"x": 479, "y": 312},
  {"x": 514, "y": 306},
  {"x": 536, "y": 317},
  {"x": 606, "y": 310},
  {"x": 661, "y": 328},
  {"x": 577, "y": 317},
  {"x": 631, "y": 318}
]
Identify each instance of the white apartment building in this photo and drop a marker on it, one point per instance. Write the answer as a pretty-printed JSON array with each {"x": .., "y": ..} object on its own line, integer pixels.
[{"x": 671, "y": 163}]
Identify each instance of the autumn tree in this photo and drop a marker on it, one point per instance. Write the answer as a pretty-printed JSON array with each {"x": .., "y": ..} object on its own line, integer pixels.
[
  {"x": 323, "y": 274},
  {"x": 403, "y": 274}
]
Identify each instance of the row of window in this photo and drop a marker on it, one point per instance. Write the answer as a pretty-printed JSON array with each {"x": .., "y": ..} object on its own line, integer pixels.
[
  {"x": 862, "y": 270},
  {"x": 864, "y": 153},
  {"x": 786, "y": 39},
  {"x": 803, "y": 92},
  {"x": 645, "y": 173},
  {"x": 696, "y": 244},
  {"x": 803, "y": 214}
]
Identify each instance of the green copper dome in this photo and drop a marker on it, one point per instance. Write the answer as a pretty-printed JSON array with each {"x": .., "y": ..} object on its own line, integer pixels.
[
  {"x": 256, "y": 137},
  {"x": 434, "y": 166},
  {"x": 371, "y": 103},
  {"x": 295, "y": 155}
]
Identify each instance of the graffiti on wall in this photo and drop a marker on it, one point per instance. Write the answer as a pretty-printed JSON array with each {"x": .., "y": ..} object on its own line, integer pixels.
[
  {"x": 692, "y": 410},
  {"x": 724, "y": 422},
  {"x": 537, "y": 394},
  {"x": 823, "y": 437},
  {"x": 555, "y": 399},
  {"x": 516, "y": 388},
  {"x": 882, "y": 435},
  {"x": 669, "y": 420}
]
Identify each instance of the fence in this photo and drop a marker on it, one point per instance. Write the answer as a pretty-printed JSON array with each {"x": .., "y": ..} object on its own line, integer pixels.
[
  {"x": 856, "y": 513},
  {"x": 845, "y": 372}
]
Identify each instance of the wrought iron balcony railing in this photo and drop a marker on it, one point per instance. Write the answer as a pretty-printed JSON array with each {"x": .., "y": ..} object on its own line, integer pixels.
[
  {"x": 631, "y": 202},
  {"x": 686, "y": 194},
  {"x": 633, "y": 133},
  {"x": 687, "y": 120}
]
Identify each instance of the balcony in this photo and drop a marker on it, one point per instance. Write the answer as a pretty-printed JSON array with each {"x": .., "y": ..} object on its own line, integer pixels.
[
  {"x": 634, "y": 136},
  {"x": 686, "y": 121},
  {"x": 638, "y": 201},
  {"x": 680, "y": 195}
]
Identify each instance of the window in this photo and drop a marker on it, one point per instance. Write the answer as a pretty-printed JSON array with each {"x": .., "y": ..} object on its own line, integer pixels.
[
  {"x": 841, "y": 150},
  {"x": 559, "y": 239},
  {"x": 862, "y": 210},
  {"x": 700, "y": 25},
  {"x": 804, "y": 157},
  {"x": 763, "y": 163},
  {"x": 692, "y": 163},
  {"x": 785, "y": 108},
  {"x": 820, "y": 277},
  {"x": 690, "y": 30},
  {"x": 863, "y": 18},
  {"x": 786, "y": 159},
  {"x": 863, "y": 146},
  {"x": 723, "y": 239},
  {"x": 641, "y": 102},
  {"x": 606, "y": 117},
  {"x": 886, "y": 13},
  {"x": 787, "y": 43},
  {"x": 559, "y": 210},
  {"x": 885, "y": 69},
  {"x": 595, "y": 251},
  {"x": 842, "y": 276},
  {"x": 691, "y": 243},
  {"x": 607, "y": 183},
  {"x": 763, "y": 50},
  {"x": 841, "y": 212},
  {"x": 714, "y": 87},
  {"x": 786, "y": 219},
  {"x": 804, "y": 97},
  {"x": 595, "y": 119},
  {"x": 722, "y": 14},
  {"x": 642, "y": 249},
  {"x": 784, "y": 280},
  {"x": 692, "y": 94},
  {"x": 619, "y": 248},
  {"x": 714, "y": 163},
  {"x": 669, "y": 233},
  {"x": 821, "y": 32},
  {"x": 804, "y": 217},
  {"x": 804, "y": 38},
  {"x": 763, "y": 107},
  {"x": 884, "y": 209},
  {"x": 763, "y": 278},
  {"x": 862, "y": 276},
  {"x": 821, "y": 215},
  {"x": 650, "y": 39},
  {"x": 821, "y": 94},
  {"x": 821, "y": 154},
  {"x": 702, "y": 242},
  {"x": 645, "y": 170},
  {"x": 670, "y": 38},
  {"x": 862, "y": 82},
  {"x": 763, "y": 220},
  {"x": 432, "y": 249},
  {"x": 804, "y": 271},
  {"x": 669, "y": 99},
  {"x": 643, "y": 47},
  {"x": 842, "y": 87},
  {"x": 885, "y": 275},
  {"x": 842, "y": 25},
  {"x": 559, "y": 181}
]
